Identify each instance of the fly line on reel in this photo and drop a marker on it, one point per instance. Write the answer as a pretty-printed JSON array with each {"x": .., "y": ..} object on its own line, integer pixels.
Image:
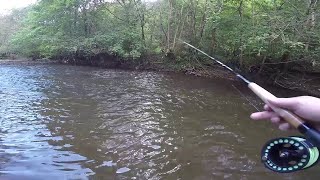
[{"x": 289, "y": 154}]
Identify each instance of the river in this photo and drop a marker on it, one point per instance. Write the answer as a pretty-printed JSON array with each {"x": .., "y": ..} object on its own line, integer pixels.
[{"x": 72, "y": 122}]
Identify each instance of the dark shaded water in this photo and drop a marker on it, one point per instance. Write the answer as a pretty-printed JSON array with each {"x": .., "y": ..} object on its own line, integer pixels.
[{"x": 66, "y": 122}]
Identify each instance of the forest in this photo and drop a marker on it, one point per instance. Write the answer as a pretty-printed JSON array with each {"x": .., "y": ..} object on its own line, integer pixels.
[{"x": 271, "y": 38}]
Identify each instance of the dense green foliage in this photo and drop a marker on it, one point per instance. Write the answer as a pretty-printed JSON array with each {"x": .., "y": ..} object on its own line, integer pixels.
[
  {"x": 9, "y": 25},
  {"x": 247, "y": 33}
]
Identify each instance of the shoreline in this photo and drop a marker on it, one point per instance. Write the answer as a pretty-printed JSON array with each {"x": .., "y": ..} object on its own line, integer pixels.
[
  {"x": 308, "y": 87},
  {"x": 26, "y": 61}
]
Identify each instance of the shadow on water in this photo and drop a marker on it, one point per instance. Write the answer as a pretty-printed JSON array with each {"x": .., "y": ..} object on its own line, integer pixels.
[{"x": 81, "y": 122}]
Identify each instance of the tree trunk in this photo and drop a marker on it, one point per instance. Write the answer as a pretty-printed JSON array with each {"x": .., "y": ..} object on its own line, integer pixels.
[
  {"x": 169, "y": 23},
  {"x": 240, "y": 10},
  {"x": 179, "y": 26},
  {"x": 85, "y": 22},
  {"x": 213, "y": 40},
  {"x": 203, "y": 20},
  {"x": 75, "y": 21},
  {"x": 142, "y": 30},
  {"x": 163, "y": 29},
  {"x": 311, "y": 21}
]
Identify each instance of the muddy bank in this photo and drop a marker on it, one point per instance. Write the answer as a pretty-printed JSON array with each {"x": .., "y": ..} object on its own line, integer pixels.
[
  {"x": 306, "y": 83},
  {"x": 27, "y": 61},
  {"x": 302, "y": 83},
  {"x": 104, "y": 60}
]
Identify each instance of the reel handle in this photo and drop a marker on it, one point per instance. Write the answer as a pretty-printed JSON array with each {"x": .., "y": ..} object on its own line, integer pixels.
[{"x": 288, "y": 116}]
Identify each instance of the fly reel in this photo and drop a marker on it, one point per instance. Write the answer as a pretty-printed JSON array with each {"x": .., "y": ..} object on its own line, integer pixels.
[{"x": 285, "y": 155}]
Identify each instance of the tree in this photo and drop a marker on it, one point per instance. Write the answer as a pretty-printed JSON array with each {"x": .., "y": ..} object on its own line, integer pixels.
[{"x": 246, "y": 33}]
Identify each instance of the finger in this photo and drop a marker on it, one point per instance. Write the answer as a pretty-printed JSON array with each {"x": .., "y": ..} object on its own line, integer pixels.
[
  {"x": 263, "y": 115},
  {"x": 267, "y": 108},
  {"x": 284, "y": 127},
  {"x": 287, "y": 103},
  {"x": 275, "y": 120}
]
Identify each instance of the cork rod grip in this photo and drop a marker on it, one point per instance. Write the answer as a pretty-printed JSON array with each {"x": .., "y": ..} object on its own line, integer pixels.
[{"x": 264, "y": 95}]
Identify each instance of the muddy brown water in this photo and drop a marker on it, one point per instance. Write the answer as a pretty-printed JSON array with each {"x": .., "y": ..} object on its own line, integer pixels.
[{"x": 71, "y": 122}]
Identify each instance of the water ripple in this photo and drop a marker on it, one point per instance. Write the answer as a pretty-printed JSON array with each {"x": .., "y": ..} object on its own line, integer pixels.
[{"x": 65, "y": 122}]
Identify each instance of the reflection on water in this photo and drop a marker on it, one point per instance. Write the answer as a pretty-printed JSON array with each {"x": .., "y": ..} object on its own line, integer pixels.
[{"x": 70, "y": 122}]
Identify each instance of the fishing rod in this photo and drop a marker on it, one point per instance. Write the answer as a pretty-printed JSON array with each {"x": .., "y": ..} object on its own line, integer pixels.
[{"x": 287, "y": 154}]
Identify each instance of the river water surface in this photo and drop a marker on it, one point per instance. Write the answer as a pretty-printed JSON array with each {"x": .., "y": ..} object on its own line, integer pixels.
[{"x": 68, "y": 122}]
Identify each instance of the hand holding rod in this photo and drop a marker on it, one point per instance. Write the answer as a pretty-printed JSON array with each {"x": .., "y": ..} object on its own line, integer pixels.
[{"x": 294, "y": 120}]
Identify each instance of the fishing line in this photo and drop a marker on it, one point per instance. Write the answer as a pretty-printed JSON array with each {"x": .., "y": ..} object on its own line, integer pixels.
[
  {"x": 246, "y": 98},
  {"x": 283, "y": 154}
]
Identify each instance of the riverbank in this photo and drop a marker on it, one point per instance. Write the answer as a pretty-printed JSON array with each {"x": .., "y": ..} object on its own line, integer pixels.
[
  {"x": 26, "y": 61},
  {"x": 308, "y": 84},
  {"x": 304, "y": 84}
]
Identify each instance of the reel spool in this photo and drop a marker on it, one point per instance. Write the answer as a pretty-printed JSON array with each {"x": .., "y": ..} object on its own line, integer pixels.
[{"x": 285, "y": 155}]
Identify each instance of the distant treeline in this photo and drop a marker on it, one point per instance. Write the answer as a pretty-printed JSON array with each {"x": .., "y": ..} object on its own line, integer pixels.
[{"x": 253, "y": 35}]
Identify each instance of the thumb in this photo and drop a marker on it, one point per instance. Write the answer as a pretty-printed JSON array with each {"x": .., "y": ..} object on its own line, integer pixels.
[{"x": 286, "y": 103}]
